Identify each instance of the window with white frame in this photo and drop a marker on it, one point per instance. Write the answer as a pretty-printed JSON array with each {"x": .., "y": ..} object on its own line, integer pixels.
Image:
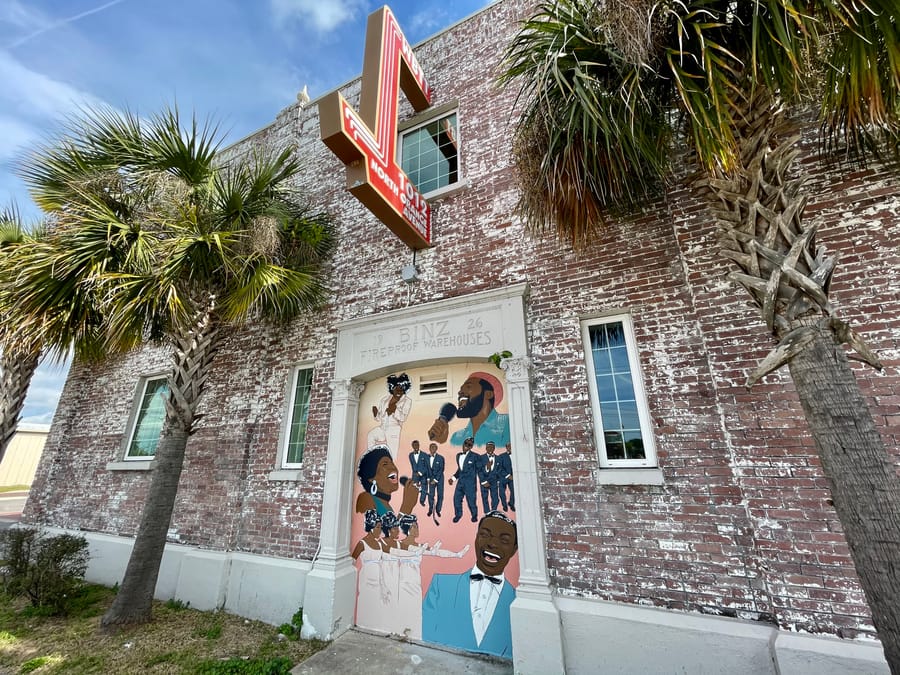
[
  {"x": 148, "y": 419},
  {"x": 298, "y": 410},
  {"x": 429, "y": 154},
  {"x": 621, "y": 419}
]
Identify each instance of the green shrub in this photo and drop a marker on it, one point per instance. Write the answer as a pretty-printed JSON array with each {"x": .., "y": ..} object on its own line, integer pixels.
[
  {"x": 33, "y": 664},
  {"x": 213, "y": 632},
  {"x": 292, "y": 630},
  {"x": 47, "y": 569},
  {"x": 176, "y": 605}
]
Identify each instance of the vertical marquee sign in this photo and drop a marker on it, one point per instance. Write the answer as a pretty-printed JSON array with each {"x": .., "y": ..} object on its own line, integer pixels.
[{"x": 367, "y": 141}]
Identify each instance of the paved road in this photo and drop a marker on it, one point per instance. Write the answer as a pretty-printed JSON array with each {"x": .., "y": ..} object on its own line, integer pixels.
[{"x": 11, "y": 510}]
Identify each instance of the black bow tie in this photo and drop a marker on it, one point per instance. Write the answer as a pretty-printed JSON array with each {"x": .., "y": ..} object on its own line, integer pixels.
[{"x": 479, "y": 577}]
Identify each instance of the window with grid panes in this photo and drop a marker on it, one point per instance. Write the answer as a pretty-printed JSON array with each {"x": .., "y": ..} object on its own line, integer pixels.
[
  {"x": 621, "y": 418},
  {"x": 149, "y": 419},
  {"x": 299, "y": 414},
  {"x": 430, "y": 154}
]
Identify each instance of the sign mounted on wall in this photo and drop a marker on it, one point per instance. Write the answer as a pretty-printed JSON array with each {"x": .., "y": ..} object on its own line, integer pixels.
[{"x": 367, "y": 141}]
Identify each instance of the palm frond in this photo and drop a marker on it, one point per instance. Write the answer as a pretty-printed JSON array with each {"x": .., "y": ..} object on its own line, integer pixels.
[
  {"x": 586, "y": 105},
  {"x": 861, "y": 98},
  {"x": 273, "y": 292}
]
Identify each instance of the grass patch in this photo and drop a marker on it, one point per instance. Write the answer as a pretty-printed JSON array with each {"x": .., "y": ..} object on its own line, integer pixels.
[
  {"x": 14, "y": 488},
  {"x": 178, "y": 640}
]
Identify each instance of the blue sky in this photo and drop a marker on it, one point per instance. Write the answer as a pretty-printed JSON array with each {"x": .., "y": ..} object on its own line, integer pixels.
[{"x": 240, "y": 62}]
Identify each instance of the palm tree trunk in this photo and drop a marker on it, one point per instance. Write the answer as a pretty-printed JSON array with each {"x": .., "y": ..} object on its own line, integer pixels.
[
  {"x": 863, "y": 480},
  {"x": 194, "y": 351},
  {"x": 17, "y": 366},
  {"x": 759, "y": 209}
]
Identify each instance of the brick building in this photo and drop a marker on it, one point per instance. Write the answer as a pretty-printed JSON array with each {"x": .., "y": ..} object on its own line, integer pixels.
[{"x": 703, "y": 516}]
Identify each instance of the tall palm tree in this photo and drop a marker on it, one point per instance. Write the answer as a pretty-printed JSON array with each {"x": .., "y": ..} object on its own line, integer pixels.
[
  {"x": 20, "y": 351},
  {"x": 67, "y": 325},
  {"x": 607, "y": 88},
  {"x": 181, "y": 243}
]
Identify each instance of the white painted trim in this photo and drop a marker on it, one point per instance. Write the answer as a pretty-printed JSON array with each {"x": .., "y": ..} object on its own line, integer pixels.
[
  {"x": 613, "y": 476},
  {"x": 285, "y": 474},
  {"x": 428, "y": 116},
  {"x": 640, "y": 395},
  {"x": 131, "y": 465},
  {"x": 287, "y": 420},
  {"x": 131, "y": 425},
  {"x": 396, "y": 316}
]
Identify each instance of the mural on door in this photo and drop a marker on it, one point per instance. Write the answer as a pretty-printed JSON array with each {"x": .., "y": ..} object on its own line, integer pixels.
[{"x": 434, "y": 532}]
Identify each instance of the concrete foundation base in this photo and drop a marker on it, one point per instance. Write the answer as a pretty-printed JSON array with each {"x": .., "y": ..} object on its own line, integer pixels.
[
  {"x": 536, "y": 635},
  {"x": 616, "y": 638},
  {"x": 551, "y": 634},
  {"x": 330, "y": 600},
  {"x": 254, "y": 586}
]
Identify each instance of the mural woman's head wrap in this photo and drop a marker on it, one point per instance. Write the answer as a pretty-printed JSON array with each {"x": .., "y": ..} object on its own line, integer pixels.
[
  {"x": 402, "y": 379},
  {"x": 372, "y": 520},
  {"x": 407, "y": 521},
  {"x": 388, "y": 522}
]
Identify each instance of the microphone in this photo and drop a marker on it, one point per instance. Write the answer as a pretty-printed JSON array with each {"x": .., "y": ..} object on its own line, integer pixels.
[
  {"x": 447, "y": 413},
  {"x": 403, "y": 480}
]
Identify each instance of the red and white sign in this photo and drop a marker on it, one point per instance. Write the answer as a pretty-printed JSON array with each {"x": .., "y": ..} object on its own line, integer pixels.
[{"x": 367, "y": 141}]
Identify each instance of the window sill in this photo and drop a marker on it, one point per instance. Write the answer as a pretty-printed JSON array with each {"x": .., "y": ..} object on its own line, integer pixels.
[
  {"x": 135, "y": 465},
  {"x": 285, "y": 475},
  {"x": 649, "y": 476},
  {"x": 446, "y": 191}
]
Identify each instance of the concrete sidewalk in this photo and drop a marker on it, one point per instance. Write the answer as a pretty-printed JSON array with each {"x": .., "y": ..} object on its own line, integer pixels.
[{"x": 358, "y": 652}]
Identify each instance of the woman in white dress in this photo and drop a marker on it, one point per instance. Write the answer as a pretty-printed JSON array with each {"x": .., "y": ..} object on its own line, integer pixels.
[
  {"x": 409, "y": 555},
  {"x": 390, "y": 413},
  {"x": 369, "y": 605}
]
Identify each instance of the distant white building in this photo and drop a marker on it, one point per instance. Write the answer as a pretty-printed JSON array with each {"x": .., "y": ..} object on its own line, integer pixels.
[{"x": 23, "y": 454}]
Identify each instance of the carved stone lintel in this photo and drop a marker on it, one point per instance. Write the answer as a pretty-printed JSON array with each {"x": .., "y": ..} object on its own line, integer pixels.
[
  {"x": 517, "y": 369},
  {"x": 347, "y": 389}
]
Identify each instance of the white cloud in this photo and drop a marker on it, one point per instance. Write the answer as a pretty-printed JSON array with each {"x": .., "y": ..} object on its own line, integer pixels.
[
  {"x": 426, "y": 22},
  {"x": 14, "y": 136},
  {"x": 325, "y": 15},
  {"x": 20, "y": 18},
  {"x": 43, "y": 394},
  {"x": 30, "y": 93}
]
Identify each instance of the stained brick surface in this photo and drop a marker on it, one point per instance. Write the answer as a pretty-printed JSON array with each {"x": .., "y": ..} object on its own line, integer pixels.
[{"x": 742, "y": 524}]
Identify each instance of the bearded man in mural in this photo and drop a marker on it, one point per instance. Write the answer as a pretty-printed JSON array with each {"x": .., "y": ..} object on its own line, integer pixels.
[
  {"x": 470, "y": 611},
  {"x": 478, "y": 398}
]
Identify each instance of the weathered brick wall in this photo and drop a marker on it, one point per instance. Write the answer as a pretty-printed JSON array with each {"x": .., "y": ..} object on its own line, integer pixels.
[{"x": 742, "y": 524}]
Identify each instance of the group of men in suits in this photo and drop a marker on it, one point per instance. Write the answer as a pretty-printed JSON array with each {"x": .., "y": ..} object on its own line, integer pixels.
[
  {"x": 428, "y": 472},
  {"x": 490, "y": 472}
]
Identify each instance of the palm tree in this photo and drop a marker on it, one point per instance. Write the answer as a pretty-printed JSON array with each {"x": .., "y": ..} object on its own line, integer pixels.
[
  {"x": 608, "y": 88},
  {"x": 181, "y": 243},
  {"x": 20, "y": 352}
]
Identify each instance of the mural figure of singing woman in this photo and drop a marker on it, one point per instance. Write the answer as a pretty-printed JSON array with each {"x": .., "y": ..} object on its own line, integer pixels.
[
  {"x": 390, "y": 413},
  {"x": 380, "y": 479},
  {"x": 368, "y": 592}
]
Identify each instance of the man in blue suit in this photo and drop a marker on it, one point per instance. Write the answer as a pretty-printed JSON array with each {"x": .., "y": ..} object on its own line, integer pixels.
[
  {"x": 468, "y": 463},
  {"x": 489, "y": 478},
  {"x": 416, "y": 465},
  {"x": 471, "y": 610},
  {"x": 504, "y": 471},
  {"x": 434, "y": 476}
]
